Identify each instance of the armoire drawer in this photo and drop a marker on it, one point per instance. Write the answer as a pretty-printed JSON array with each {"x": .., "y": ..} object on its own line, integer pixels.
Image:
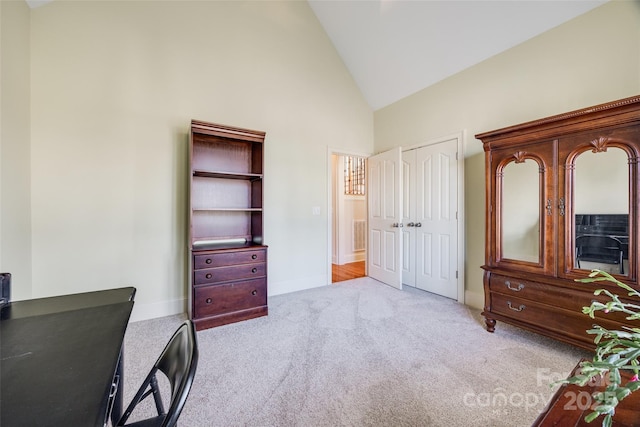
[
  {"x": 557, "y": 296},
  {"x": 573, "y": 323},
  {"x": 229, "y": 297},
  {"x": 539, "y": 292},
  {"x": 222, "y": 259},
  {"x": 225, "y": 274}
]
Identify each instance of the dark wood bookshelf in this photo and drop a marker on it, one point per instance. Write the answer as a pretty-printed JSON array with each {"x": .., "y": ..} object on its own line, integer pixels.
[{"x": 228, "y": 257}]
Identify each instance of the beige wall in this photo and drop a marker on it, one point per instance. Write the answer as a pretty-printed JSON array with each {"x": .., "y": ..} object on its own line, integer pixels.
[
  {"x": 592, "y": 59},
  {"x": 15, "y": 212},
  {"x": 114, "y": 87},
  {"x": 93, "y": 179}
]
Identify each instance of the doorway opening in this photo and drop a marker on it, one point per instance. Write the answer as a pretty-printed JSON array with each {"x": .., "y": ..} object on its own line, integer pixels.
[
  {"x": 348, "y": 230},
  {"x": 385, "y": 243}
]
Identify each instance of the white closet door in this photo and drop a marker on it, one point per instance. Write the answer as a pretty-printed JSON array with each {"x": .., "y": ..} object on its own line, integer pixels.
[
  {"x": 436, "y": 218},
  {"x": 430, "y": 232},
  {"x": 408, "y": 216},
  {"x": 385, "y": 217}
]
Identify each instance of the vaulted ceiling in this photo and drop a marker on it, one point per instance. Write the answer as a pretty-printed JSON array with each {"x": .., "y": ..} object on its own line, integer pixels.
[{"x": 394, "y": 48}]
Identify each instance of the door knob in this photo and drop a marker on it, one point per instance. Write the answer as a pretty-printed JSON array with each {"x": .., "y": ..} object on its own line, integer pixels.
[
  {"x": 418, "y": 224},
  {"x": 411, "y": 224},
  {"x": 394, "y": 225}
]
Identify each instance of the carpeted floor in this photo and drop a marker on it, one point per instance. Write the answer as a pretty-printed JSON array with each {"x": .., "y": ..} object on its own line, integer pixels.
[{"x": 360, "y": 353}]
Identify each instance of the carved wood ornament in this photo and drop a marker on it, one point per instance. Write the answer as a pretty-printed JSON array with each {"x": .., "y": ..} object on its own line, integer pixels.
[
  {"x": 600, "y": 144},
  {"x": 520, "y": 156}
]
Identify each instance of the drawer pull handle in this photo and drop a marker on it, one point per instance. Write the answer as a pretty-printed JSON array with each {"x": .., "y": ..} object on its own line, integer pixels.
[
  {"x": 253, "y": 270},
  {"x": 514, "y": 308},
  {"x": 514, "y": 288},
  {"x": 209, "y": 301},
  {"x": 208, "y": 261},
  {"x": 208, "y": 276},
  {"x": 254, "y": 292},
  {"x": 254, "y": 256}
]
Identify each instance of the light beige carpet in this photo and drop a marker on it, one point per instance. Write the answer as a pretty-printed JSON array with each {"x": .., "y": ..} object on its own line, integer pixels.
[{"x": 360, "y": 353}]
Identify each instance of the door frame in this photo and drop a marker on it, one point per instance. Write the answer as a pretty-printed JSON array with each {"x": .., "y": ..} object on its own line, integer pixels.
[
  {"x": 330, "y": 153},
  {"x": 460, "y": 137}
]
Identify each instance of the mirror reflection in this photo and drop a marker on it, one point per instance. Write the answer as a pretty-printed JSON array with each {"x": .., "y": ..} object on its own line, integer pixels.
[
  {"x": 521, "y": 211},
  {"x": 601, "y": 207}
]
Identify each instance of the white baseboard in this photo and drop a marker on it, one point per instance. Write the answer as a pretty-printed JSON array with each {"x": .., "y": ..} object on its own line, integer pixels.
[
  {"x": 355, "y": 257},
  {"x": 178, "y": 306},
  {"x": 299, "y": 284},
  {"x": 474, "y": 299},
  {"x": 158, "y": 309},
  {"x": 349, "y": 258},
  {"x": 149, "y": 311}
]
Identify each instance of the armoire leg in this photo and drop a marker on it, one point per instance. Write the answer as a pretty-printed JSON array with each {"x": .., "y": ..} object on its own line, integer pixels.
[{"x": 491, "y": 324}]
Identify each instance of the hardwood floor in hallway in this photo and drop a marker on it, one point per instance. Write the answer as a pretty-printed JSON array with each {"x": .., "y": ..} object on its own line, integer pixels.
[{"x": 348, "y": 271}]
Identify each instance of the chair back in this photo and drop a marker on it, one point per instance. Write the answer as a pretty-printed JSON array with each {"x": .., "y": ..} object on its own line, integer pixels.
[
  {"x": 603, "y": 249},
  {"x": 178, "y": 362}
]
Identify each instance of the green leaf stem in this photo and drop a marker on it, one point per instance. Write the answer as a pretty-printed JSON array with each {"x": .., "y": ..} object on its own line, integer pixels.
[{"x": 616, "y": 350}]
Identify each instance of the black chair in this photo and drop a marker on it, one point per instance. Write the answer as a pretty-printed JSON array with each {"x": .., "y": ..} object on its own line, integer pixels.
[
  {"x": 5, "y": 289},
  {"x": 178, "y": 362},
  {"x": 602, "y": 249}
]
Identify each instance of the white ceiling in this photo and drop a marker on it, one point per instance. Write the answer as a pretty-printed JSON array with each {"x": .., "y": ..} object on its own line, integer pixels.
[{"x": 394, "y": 48}]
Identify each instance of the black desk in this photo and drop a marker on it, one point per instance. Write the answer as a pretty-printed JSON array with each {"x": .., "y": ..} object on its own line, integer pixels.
[{"x": 59, "y": 356}]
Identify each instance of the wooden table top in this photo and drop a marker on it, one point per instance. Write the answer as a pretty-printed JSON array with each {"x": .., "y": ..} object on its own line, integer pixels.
[{"x": 571, "y": 403}]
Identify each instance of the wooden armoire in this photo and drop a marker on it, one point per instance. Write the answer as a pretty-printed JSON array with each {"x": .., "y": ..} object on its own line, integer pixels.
[
  {"x": 562, "y": 198},
  {"x": 228, "y": 256}
]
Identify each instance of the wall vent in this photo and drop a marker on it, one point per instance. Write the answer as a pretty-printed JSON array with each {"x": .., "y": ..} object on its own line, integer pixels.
[{"x": 359, "y": 234}]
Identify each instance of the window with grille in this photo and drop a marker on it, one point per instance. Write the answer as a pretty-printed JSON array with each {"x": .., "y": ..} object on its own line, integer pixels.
[{"x": 354, "y": 178}]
